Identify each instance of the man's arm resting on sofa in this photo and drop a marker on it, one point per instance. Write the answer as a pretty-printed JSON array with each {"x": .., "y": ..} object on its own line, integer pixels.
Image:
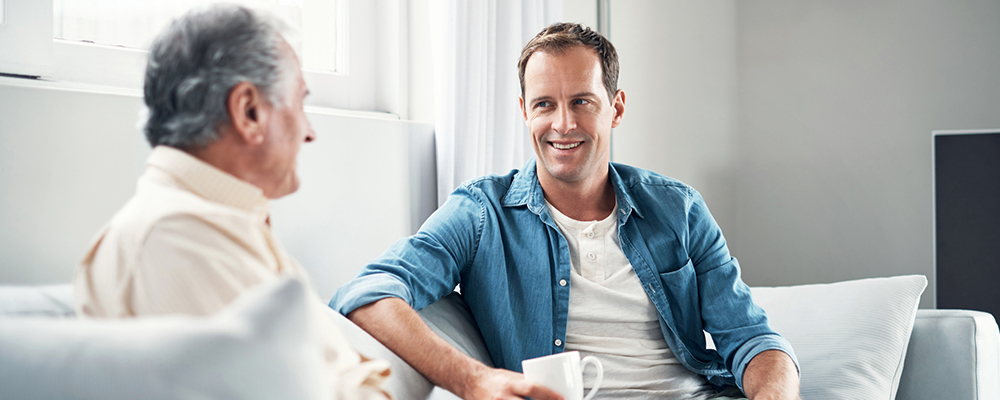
[
  {"x": 771, "y": 375},
  {"x": 394, "y": 323}
]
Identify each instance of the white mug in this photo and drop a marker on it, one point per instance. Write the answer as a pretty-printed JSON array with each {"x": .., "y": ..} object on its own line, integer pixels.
[{"x": 563, "y": 373}]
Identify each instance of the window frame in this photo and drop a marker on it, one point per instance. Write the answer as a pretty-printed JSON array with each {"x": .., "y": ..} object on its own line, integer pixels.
[
  {"x": 23, "y": 49},
  {"x": 367, "y": 57}
]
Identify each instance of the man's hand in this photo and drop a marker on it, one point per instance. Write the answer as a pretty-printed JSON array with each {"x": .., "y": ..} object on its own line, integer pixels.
[
  {"x": 496, "y": 384},
  {"x": 771, "y": 375},
  {"x": 399, "y": 328}
]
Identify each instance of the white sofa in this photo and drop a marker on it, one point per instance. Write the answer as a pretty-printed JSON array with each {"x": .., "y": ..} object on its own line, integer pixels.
[{"x": 847, "y": 342}]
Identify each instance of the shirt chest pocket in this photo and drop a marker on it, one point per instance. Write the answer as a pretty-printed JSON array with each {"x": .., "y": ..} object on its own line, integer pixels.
[{"x": 681, "y": 292}]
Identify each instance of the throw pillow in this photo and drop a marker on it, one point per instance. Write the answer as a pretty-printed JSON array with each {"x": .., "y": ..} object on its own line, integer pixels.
[
  {"x": 850, "y": 337},
  {"x": 261, "y": 346}
]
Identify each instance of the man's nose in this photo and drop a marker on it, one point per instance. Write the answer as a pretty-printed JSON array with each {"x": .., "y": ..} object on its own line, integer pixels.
[
  {"x": 565, "y": 121},
  {"x": 310, "y": 134}
]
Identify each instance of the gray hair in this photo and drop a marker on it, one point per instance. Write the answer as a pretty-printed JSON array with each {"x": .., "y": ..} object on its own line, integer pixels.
[{"x": 197, "y": 60}]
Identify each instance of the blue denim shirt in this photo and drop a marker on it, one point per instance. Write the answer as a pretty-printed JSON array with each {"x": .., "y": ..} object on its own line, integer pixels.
[{"x": 495, "y": 237}]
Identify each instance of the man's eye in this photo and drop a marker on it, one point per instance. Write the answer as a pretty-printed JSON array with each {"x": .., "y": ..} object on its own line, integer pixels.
[
  {"x": 542, "y": 104},
  {"x": 580, "y": 101}
]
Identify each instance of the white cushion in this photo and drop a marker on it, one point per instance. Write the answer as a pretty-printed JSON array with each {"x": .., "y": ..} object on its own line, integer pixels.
[
  {"x": 850, "y": 337},
  {"x": 26, "y": 301},
  {"x": 261, "y": 346}
]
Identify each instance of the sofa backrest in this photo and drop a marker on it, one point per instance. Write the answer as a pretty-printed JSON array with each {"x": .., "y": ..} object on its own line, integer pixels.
[{"x": 952, "y": 354}]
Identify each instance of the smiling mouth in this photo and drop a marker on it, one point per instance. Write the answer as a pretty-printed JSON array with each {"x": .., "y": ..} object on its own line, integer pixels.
[{"x": 565, "y": 146}]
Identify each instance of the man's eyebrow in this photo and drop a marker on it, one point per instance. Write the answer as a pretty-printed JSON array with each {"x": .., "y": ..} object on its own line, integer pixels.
[
  {"x": 581, "y": 94},
  {"x": 539, "y": 98}
]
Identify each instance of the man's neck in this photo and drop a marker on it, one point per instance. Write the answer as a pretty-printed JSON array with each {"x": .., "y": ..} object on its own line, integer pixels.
[
  {"x": 232, "y": 157},
  {"x": 588, "y": 200}
]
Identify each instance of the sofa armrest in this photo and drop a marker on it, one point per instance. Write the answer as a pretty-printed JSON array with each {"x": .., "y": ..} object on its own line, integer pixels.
[
  {"x": 449, "y": 318},
  {"x": 953, "y": 354}
]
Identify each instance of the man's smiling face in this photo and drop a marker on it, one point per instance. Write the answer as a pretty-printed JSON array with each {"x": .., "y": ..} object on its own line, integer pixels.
[{"x": 569, "y": 115}]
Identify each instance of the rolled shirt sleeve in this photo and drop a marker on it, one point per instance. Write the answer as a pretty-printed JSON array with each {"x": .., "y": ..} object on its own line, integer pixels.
[
  {"x": 738, "y": 326},
  {"x": 425, "y": 267}
]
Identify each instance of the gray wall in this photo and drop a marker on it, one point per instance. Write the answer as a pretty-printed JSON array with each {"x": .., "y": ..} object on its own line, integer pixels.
[
  {"x": 837, "y": 103},
  {"x": 678, "y": 71},
  {"x": 807, "y": 124}
]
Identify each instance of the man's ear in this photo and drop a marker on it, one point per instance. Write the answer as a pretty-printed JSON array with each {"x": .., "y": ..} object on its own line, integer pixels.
[
  {"x": 619, "y": 105},
  {"x": 247, "y": 112},
  {"x": 524, "y": 113}
]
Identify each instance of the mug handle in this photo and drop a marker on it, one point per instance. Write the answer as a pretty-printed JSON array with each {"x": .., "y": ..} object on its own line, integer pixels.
[{"x": 600, "y": 374}]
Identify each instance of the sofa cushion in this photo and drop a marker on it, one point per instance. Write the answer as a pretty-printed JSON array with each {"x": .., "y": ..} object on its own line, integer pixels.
[
  {"x": 51, "y": 301},
  {"x": 261, "y": 346},
  {"x": 850, "y": 337}
]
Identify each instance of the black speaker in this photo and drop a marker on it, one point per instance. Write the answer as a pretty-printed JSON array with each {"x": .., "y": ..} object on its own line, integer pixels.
[{"x": 967, "y": 219}]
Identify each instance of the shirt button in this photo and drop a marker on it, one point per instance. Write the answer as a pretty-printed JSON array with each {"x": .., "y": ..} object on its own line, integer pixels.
[
  {"x": 562, "y": 282},
  {"x": 590, "y": 234},
  {"x": 558, "y": 342},
  {"x": 592, "y": 256}
]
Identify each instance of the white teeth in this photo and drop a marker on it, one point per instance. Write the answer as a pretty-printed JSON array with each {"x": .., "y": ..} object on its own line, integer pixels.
[{"x": 565, "y": 146}]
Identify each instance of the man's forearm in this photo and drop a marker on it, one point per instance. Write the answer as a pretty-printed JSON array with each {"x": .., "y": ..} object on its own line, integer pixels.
[
  {"x": 398, "y": 327},
  {"x": 771, "y": 375}
]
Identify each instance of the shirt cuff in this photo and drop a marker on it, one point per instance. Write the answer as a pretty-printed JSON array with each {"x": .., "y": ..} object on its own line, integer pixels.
[
  {"x": 367, "y": 289},
  {"x": 758, "y": 345}
]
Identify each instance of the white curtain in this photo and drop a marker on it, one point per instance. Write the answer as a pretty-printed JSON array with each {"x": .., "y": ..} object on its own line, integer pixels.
[{"x": 478, "y": 125}]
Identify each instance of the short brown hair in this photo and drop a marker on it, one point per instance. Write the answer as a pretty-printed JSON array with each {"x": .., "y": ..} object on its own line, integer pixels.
[{"x": 561, "y": 36}]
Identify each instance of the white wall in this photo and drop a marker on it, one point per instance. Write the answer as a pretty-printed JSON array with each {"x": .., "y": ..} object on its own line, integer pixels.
[
  {"x": 807, "y": 124},
  {"x": 366, "y": 182},
  {"x": 420, "y": 64},
  {"x": 70, "y": 160}
]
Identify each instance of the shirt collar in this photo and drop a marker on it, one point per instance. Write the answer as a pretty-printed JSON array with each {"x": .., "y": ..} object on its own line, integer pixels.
[
  {"x": 207, "y": 181},
  {"x": 626, "y": 205},
  {"x": 525, "y": 190}
]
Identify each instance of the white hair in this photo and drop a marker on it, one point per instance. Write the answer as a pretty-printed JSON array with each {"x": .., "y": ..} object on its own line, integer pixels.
[{"x": 195, "y": 63}]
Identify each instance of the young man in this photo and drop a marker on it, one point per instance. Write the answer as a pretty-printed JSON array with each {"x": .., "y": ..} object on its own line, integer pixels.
[{"x": 576, "y": 253}]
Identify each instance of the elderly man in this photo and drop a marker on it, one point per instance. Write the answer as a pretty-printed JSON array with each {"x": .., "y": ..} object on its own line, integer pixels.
[
  {"x": 225, "y": 97},
  {"x": 575, "y": 253}
]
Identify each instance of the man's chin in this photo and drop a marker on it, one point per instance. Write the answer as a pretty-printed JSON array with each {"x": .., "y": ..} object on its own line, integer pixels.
[
  {"x": 285, "y": 190},
  {"x": 564, "y": 173}
]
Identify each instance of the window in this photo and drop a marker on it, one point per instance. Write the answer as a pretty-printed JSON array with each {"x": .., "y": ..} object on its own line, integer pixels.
[
  {"x": 354, "y": 66},
  {"x": 25, "y": 47},
  {"x": 134, "y": 25}
]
